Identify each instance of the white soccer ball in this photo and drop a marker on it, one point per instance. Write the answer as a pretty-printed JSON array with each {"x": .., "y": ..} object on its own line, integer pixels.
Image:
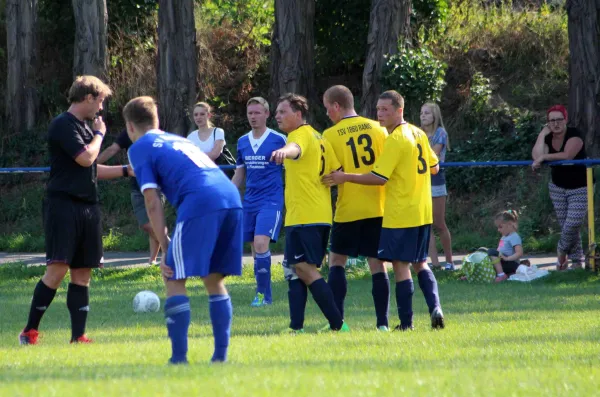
[{"x": 146, "y": 302}]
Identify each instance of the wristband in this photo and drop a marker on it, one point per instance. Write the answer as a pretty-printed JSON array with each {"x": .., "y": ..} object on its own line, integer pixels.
[
  {"x": 99, "y": 133},
  {"x": 125, "y": 171}
]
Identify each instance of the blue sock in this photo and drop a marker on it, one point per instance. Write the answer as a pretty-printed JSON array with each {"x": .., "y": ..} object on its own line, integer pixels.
[
  {"x": 262, "y": 266},
  {"x": 381, "y": 297},
  {"x": 221, "y": 312},
  {"x": 324, "y": 297},
  {"x": 339, "y": 286},
  {"x": 429, "y": 286},
  {"x": 177, "y": 315},
  {"x": 404, "y": 293},
  {"x": 297, "y": 296}
]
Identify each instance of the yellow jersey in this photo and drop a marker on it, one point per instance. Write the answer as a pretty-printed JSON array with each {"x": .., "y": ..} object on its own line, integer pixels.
[
  {"x": 307, "y": 200},
  {"x": 405, "y": 164},
  {"x": 357, "y": 143}
]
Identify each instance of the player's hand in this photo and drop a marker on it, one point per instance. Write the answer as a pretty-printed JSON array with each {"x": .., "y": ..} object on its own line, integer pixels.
[
  {"x": 166, "y": 271},
  {"x": 98, "y": 125},
  {"x": 537, "y": 164},
  {"x": 335, "y": 178},
  {"x": 545, "y": 131},
  {"x": 278, "y": 156},
  {"x": 130, "y": 170}
]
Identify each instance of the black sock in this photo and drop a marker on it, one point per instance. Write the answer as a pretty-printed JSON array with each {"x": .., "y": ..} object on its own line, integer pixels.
[
  {"x": 381, "y": 297},
  {"x": 42, "y": 297},
  {"x": 339, "y": 286},
  {"x": 404, "y": 293},
  {"x": 429, "y": 286},
  {"x": 324, "y": 297},
  {"x": 297, "y": 296},
  {"x": 78, "y": 301}
]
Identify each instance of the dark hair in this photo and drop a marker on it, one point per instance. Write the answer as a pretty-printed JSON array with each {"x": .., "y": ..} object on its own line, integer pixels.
[
  {"x": 395, "y": 97},
  {"x": 558, "y": 108},
  {"x": 87, "y": 85},
  {"x": 141, "y": 111},
  {"x": 508, "y": 216},
  {"x": 298, "y": 103},
  {"x": 340, "y": 94}
]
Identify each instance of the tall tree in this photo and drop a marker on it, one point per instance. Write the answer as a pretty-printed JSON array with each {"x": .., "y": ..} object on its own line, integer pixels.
[
  {"x": 584, "y": 70},
  {"x": 292, "y": 49},
  {"x": 177, "y": 64},
  {"x": 91, "y": 20},
  {"x": 21, "y": 106},
  {"x": 390, "y": 21}
]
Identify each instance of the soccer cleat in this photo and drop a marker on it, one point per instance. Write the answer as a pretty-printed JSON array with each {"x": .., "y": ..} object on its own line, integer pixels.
[
  {"x": 383, "y": 328},
  {"x": 449, "y": 267},
  {"x": 402, "y": 329},
  {"x": 259, "y": 300},
  {"x": 291, "y": 331},
  {"x": 82, "y": 339},
  {"x": 171, "y": 362},
  {"x": 437, "y": 318},
  {"x": 29, "y": 338},
  {"x": 327, "y": 328}
]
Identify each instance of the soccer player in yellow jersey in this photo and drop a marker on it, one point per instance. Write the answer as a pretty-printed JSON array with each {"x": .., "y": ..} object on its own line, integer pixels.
[
  {"x": 357, "y": 143},
  {"x": 306, "y": 158},
  {"x": 405, "y": 167}
]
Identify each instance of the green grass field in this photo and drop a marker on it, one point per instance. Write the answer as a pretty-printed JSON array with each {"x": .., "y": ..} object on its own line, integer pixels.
[{"x": 508, "y": 339}]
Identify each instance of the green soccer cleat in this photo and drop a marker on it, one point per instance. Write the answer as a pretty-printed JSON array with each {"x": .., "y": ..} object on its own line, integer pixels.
[
  {"x": 291, "y": 331},
  {"x": 259, "y": 300},
  {"x": 327, "y": 328},
  {"x": 383, "y": 328}
]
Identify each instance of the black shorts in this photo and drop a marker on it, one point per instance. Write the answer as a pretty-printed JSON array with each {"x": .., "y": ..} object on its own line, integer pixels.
[
  {"x": 509, "y": 267},
  {"x": 73, "y": 232},
  {"x": 404, "y": 244},
  {"x": 306, "y": 244},
  {"x": 356, "y": 238}
]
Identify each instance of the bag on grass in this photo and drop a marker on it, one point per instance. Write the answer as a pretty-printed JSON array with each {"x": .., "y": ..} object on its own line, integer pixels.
[{"x": 478, "y": 267}]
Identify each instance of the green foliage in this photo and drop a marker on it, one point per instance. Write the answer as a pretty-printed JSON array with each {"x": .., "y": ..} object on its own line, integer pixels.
[
  {"x": 341, "y": 30},
  {"x": 254, "y": 17},
  {"x": 429, "y": 15},
  {"x": 417, "y": 74}
]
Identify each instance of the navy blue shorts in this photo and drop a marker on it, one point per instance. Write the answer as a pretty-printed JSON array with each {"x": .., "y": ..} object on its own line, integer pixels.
[
  {"x": 404, "y": 244},
  {"x": 207, "y": 244},
  {"x": 264, "y": 222},
  {"x": 306, "y": 244},
  {"x": 356, "y": 238}
]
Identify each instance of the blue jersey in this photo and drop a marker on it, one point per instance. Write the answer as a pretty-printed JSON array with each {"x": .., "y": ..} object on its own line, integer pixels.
[
  {"x": 264, "y": 183},
  {"x": 192, "y": 183}
]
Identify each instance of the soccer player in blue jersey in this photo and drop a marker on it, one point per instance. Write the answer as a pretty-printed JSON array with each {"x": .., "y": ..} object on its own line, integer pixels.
[
  {"x": 207, "y": 241},
  {"x": 263, "y": 199}
]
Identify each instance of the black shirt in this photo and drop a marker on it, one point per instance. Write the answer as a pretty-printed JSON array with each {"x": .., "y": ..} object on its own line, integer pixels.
[
  {"x": 568, "y": 176},
  {"x": 125, "y": 143},
  {"x": 67, "y": 139}
]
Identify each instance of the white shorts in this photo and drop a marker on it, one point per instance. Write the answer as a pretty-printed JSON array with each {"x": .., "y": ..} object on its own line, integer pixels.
[{"x": 439, "y": 191}]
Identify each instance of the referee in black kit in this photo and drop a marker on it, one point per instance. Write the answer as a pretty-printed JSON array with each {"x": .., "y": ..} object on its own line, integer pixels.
[{"x": 72, "y": 223}]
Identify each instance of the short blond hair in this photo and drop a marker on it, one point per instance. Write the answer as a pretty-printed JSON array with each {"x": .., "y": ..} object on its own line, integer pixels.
[
  {"x": 141, "y": 112},
  {"x": 258, "y": 100},
  {"x": 87, "y": 85},
  {"x": 341, "y": 95}
]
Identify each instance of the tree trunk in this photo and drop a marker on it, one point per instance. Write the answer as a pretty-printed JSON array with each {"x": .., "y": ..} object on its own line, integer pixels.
[
  {"x": 292, "y": 49},
  {"x": 91, "y": 19},
  {"x": 21, "y": 98},
  {"x": 177, "y": 64},
  {"x": 390, "y": 21},
  {"x": 584, "y": 70}
]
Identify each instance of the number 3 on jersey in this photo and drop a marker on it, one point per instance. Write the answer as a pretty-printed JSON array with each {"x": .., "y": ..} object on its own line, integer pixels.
[
  {"x": 422, "y": 166},
  {"x": 367, "y": 143}
]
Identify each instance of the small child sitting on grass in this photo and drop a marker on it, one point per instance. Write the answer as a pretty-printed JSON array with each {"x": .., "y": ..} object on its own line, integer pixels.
[{"x": 510, "y": 248}]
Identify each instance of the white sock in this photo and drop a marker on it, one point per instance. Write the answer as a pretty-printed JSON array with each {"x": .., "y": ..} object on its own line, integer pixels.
[{"x": 501, "y": 274}]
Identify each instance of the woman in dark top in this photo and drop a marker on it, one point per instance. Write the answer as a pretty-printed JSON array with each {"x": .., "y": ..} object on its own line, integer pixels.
[{"x": 568, "y": 190}]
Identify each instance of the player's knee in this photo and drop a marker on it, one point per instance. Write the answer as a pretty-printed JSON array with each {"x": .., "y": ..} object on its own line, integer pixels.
[
  {"x": 337, "y": 259},
  {"x": 261, "y": 244},
  {"x": 81, "y": 276},
  {"x": 147, "y": 227},
  {"x": 54, "y": 275},
  {"x": 440, "y": 224},
  {"x": 376, "y": 266}
]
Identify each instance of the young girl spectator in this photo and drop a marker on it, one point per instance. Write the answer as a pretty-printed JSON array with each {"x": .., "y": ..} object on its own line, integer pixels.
[
  {"x": 432, "y": 124},
  {"x": 207, "y": 137},
  {"x": 510, "y": 248}
]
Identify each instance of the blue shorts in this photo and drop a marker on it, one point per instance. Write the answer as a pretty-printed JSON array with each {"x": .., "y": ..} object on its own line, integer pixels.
[
  {"x": 306, "y": 243},
  {"x": 264, "y": 222},
  {"x": 404, "y": 244},
  {"x": 207, "y": 244}
]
